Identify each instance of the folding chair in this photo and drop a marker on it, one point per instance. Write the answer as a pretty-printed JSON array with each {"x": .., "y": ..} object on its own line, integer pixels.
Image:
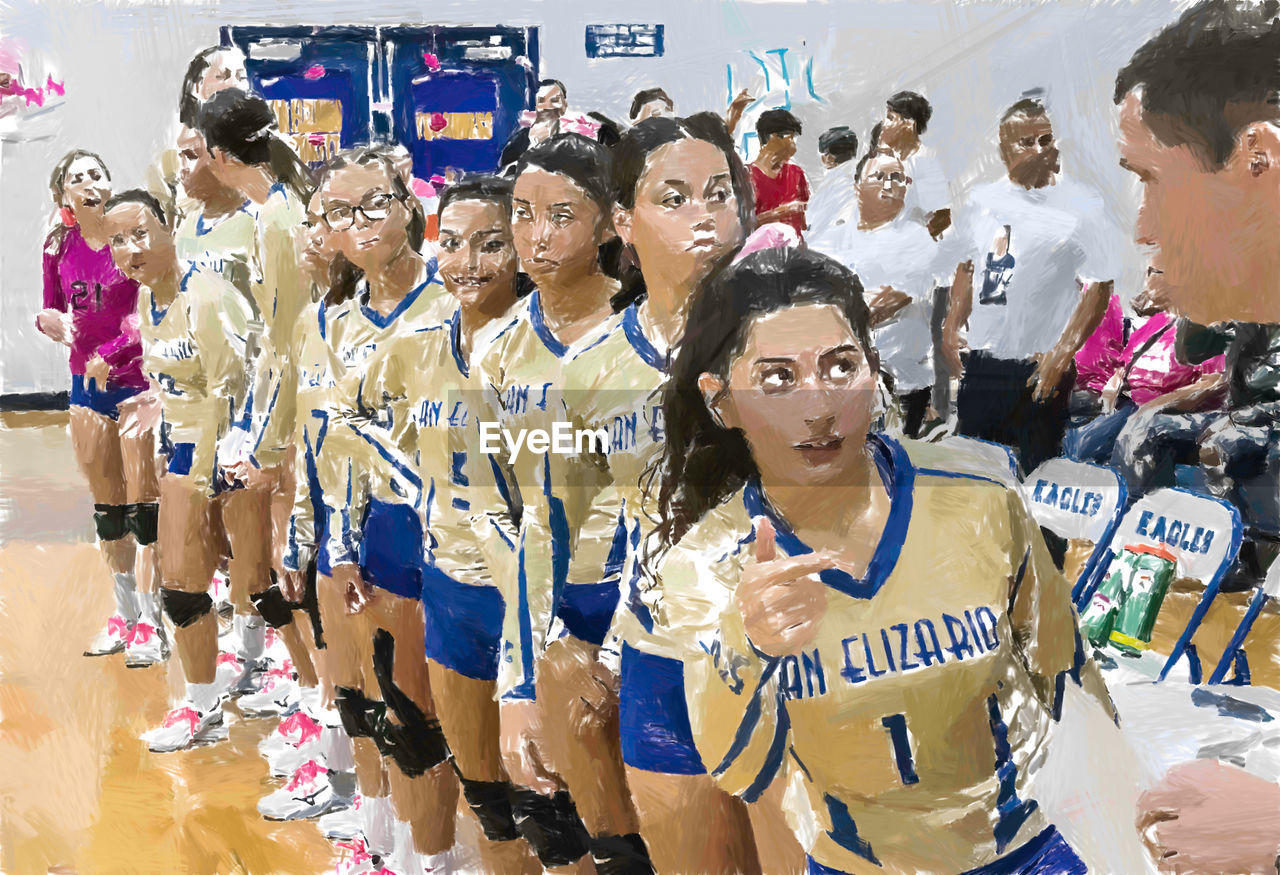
[
  {"x": 1202, "y": 532},
  {"x": 1080, "y": 501},
  {"x": 1234, "y": 656}
]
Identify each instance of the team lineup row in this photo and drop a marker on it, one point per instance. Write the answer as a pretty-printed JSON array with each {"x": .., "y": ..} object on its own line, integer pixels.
[{"x": 729, "y": 588}]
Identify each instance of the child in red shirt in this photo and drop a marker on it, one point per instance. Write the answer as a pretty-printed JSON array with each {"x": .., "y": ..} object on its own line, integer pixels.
[{"x": 781, "y": 189}]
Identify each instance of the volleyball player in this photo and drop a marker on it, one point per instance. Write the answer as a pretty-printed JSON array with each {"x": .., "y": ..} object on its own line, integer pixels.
[
  {"x": 798, "y": 561},
  {"x": 89, "y": 306},
  {"x": 560, "y": 218}
]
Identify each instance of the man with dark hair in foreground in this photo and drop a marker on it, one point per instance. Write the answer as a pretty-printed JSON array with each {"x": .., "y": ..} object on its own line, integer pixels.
[{"x": 1200, "y": 127}]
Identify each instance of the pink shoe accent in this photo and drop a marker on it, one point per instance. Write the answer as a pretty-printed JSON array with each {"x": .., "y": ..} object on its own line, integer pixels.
[
  {"x": 269, "y": 634},
  {"x": 118, "y": 625},
  {"x": 306, "y": 728},
  {"x": 228, "y": 658},
  {"x": 140, "y": 633},
  {"x": 283, "y": 673},
  {"x": 177, "y": 715},
  {"x": 305, "y": 774},
  {"x": 359, "y": 853}
]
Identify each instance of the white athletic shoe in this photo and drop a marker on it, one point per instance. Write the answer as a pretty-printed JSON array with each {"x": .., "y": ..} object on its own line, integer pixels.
[
  {"x": 111, "y": 639},
  {"x": 186, "y": 726},
  {"x": 146, "y": 645},
  {"x": 279, "y": 694},
  {"x": 309, "y": 793},
  {"x": 342, "y": 825},
  {"x": 354, "y": 857},
  {"x": 296, "y": 731}
]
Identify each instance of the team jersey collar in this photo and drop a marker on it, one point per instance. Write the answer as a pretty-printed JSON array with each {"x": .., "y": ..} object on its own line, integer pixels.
[
  {"x": 202, "y": 228},
  {"x": 899, "y": 477},
  {"x": 644, "y": 347},
  {"x": 455, "y": 342},
  {"x": 405, "y": 303},
  {"x": 553, "y": 344},
  {"x": 157, "y": 316}
]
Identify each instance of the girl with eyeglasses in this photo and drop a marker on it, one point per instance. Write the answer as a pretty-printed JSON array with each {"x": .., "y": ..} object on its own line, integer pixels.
[{"x": 370, "y": 559}]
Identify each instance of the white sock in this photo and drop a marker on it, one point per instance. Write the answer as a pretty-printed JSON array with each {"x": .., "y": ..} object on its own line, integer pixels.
[
  {"x": 379, "y": 821},
  {"x": 436, "y": 862},
  {"x": 337, "y": 750},
  {"x": 252, "y": 632},
  {"x": 203, "y": 696},
  {"x": 126, "y": 588},
  {"x": 148, "y": 608}
]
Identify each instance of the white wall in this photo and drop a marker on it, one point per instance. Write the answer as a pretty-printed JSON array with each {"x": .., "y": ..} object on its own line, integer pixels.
[{"x": 122, "y": 65}]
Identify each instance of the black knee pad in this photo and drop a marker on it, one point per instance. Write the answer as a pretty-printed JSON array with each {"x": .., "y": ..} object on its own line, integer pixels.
[
  {"x": 311, "y": 604},
  {"x": 362, "y": 717},
  {"x": 143, "y": 520},
  {"x": 551, "y": 826},
  {"x": 415, "y": 741},
  {"x": 272, "y": 606},
  {"x": 490, "y": 801},
  {"x": 185, "y": 608},
  {"x": 111, "y": 521},
  {"x": 621, "y": 855}
]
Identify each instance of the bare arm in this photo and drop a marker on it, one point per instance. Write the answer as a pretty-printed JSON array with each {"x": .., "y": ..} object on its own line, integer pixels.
[
  {"x": 1085, "y": 319},
  {"x": 1189, "y": 398}
]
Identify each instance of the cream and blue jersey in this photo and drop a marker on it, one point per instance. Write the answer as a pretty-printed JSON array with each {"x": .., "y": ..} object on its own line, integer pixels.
[
  {"x": 469, "y": 533},
  {"x": 927, "y": 699},
  {"x": 348, "y": 468},
  {"x": 193, "y": 350},
  {"x": 523, "y": 377}
]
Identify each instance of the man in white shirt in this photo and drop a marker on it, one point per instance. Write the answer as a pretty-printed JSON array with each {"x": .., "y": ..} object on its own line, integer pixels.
[
  {"x": 887, "y": 249},
  {"x": 906, "y": 118},
  {"x": 838, "y": 149},
  {"x": 1045, "y": 256}
]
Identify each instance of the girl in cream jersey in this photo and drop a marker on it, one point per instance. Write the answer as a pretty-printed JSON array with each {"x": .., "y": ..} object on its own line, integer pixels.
[
  {"x": 683, "y": 205},
  {"x": 371, "y": 554},
  {"x": 468, "y": 546},
  {"x": 560, "y": 216},
  {"x": 797, "y": 566},
  {"x": 188, "y": 321}
]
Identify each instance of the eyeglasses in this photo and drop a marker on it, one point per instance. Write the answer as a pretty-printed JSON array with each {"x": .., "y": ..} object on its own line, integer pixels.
[
  {"x": 894, "y": 176},
  {"x": 374, "y": 209}
]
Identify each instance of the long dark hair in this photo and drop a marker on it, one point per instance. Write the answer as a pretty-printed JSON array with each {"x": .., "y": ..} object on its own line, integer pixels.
[
  {"x": 631, "y": 156},
  {"x": 188, "y": 103},
  {"x": 57, "y": 187},
  {"x": 242, "y": 125},
  {"x": 343, "y": 275},
  {"x": 704, "y": 463}
]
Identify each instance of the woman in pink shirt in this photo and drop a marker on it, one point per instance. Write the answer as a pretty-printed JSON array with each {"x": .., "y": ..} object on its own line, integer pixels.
[
  {"x": 1137, "y": 374},
  {"x": 90, "y": 307}
]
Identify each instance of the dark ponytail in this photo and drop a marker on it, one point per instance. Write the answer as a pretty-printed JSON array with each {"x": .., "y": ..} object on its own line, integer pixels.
[{"x": 243, "y": 125}]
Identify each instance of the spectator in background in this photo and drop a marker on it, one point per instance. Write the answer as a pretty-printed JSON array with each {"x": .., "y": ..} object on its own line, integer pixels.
[
  {"x": 1046, "y": 264},
  {"x": 781, "y": 189},
  {"x": 837, "y": 147},
  {"x": 1145, "y": 377},
  {"x": 890, "y": 252},
  {"x": 651, "y": 103},
  {"x": 550, "y": 106},
  {"x": 906, "y": 118}
]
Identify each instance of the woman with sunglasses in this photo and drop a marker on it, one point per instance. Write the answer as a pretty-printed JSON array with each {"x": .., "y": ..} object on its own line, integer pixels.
[
  {"x": 89, "y": 305},
  {"x": 370, "y": 564},
  {"x": 797, "y": 563},
  {"x": 560, "y": 217}
]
